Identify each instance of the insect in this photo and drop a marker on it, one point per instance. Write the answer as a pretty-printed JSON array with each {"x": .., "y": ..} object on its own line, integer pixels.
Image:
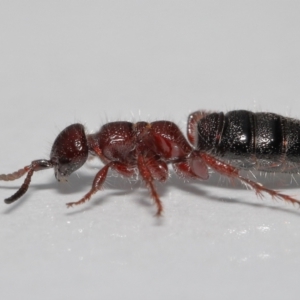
[{"x": 225, "y": 143}]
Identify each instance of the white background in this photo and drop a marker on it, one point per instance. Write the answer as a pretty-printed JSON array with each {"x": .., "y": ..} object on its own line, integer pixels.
[{"x": 95, "y": 61}]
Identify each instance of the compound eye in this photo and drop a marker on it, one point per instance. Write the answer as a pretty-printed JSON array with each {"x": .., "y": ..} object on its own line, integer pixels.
[{"x": 69, "y": 151}]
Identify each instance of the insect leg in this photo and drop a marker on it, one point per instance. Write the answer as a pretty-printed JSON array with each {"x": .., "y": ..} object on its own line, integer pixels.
[
  {"x": 144, "y": 166},
  {"x": 193, "y": 167},
  {"x": 232, "y": 172},
  {"x": 96, "y": 186}
]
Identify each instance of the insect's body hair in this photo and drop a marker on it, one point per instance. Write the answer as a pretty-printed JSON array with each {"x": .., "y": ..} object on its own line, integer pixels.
[{"x": 215, "y": 143}]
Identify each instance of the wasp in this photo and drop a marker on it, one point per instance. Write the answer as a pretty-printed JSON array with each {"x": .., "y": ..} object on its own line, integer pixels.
[{"x": 224, "y": 143}]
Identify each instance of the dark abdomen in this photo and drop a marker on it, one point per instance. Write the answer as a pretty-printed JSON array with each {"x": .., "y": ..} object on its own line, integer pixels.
[{"x": 265, "y": 141}]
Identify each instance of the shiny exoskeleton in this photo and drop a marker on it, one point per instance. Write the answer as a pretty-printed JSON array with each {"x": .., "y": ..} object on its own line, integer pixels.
[
  {"x": 264, "y": 141},
  {"x": 224, "y": 143}
]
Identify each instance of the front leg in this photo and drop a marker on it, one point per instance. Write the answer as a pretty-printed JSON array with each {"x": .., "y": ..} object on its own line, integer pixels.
[
  {"x": 97, "y": 184},
  {"x": 100, "y": 179}
]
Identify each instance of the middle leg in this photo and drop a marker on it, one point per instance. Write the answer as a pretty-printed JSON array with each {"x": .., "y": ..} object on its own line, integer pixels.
[{"x": 150, "y": 168}]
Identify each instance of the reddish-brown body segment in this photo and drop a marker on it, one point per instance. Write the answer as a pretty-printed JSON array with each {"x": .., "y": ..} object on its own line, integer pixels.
[
  {"x": 146, "y": 148},
  {"x": 128, "y": 148}
]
